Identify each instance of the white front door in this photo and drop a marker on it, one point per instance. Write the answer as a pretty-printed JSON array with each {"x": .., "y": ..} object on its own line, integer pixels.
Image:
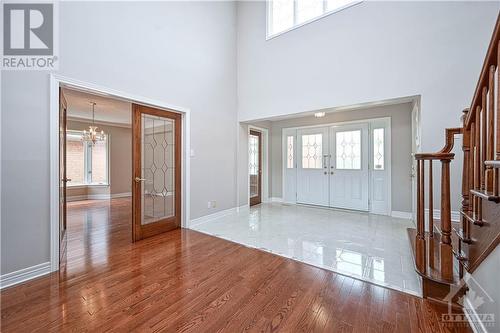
[
  {"x": 348, "y": 169},
  {"x": 312, "y": 166}
]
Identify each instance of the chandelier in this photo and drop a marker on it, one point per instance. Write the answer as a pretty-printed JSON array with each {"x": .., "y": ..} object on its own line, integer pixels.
[{"x": 92, "y": 135}]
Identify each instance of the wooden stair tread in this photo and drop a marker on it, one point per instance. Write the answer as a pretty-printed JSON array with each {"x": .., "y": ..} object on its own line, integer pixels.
[
  {"x": 486, "y": 195},
  {"x": 460, "y": 234},
  {"x": 433, "y": 272},
  {"x": 471, "y": 218}
]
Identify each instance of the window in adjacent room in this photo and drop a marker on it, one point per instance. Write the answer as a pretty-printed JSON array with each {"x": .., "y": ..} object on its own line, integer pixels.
[
  {"x": 284, "y": 15},
  {"x": 86, "y": 163}
]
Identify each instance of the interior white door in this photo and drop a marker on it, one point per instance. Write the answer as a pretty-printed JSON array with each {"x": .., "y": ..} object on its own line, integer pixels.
[
  {"x": 313, "y": 161},
  {"x": 349, "y": 167}
]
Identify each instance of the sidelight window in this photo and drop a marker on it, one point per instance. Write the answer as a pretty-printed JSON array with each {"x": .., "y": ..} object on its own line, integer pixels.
[
  {"x": 378, "y": 149},
  {"x": 289, "y": 152}
]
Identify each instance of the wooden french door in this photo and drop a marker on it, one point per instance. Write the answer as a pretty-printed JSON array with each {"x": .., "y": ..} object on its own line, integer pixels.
[
  {"x": 156, "y": 171},
  {"x": 62, "y": 174},
  {"x": 255, "y": 166}
]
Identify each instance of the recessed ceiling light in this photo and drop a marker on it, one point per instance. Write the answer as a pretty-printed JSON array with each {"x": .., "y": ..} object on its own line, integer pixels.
[{"x": 319, "y": 114}]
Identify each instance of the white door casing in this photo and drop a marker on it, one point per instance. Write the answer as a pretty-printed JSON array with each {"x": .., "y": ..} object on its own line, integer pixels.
[
  {"x": 312, "y": 166},
  {"x": 349, "y": 167}
]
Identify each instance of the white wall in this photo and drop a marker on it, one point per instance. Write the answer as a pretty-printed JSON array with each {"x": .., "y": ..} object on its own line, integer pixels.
[
  {"x": 484, "y": 288},
  {"x": 182, "y": 53},
  {"x": 369, "y": 52}
]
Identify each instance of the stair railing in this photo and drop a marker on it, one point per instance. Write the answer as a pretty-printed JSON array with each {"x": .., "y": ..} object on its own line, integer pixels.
[{"x": 425, "y": 256}]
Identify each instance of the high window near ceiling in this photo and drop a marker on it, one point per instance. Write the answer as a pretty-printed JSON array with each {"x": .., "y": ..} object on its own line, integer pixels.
[
  {"x": 284, "y": 15},
  {"x": 86, "y": 163}
]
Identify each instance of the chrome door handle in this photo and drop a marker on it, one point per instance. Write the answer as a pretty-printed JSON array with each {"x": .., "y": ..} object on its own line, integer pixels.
[
  {"x": 138, "y": 180},
  {"x": 66, "y": 180}
]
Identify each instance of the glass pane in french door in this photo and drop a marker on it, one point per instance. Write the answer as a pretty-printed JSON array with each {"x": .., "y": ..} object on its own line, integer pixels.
[
  {"x": 158, "y": 185},
  {"x": 253, "y": 158}
]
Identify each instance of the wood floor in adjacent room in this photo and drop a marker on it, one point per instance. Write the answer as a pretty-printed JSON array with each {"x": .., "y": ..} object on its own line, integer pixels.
[{"x": 186, "y": 281}]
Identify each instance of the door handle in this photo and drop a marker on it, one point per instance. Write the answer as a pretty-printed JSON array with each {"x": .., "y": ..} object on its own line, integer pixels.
[
  {"x": 138, "y": 180},
  {"x": 66, "y": 179},
  {"x": 324, "y": 161}
]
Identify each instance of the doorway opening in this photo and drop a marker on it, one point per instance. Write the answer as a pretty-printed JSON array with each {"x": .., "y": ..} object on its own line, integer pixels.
[
  {"x": 255, "y": 166},
  {"x": 120, "y": 174}
]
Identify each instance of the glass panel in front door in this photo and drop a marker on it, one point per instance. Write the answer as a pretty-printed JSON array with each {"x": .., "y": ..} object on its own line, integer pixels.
[
  {"x": 348, "y": 150},
  {"x": 158, "y": 185}
]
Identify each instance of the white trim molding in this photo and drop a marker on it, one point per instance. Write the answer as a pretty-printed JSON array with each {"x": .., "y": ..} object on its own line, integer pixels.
[
  {"x": 210, "y": 217},
  {"x": 104, "y": 196},
  {"x": 402, "y": 215},
  {"x": 121, "y": 195},
  {"x": 472, "y": 317},
  {"x": 25, "y": 274},
  {"x": 275, "y": 199}
]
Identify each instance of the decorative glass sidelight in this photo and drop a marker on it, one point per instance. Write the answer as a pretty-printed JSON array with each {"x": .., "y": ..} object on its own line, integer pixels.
[
  {"x": 312, "y": 151},
  {"x": 158, "y": 168},
  {"x": 348, "y": 150},
  {"x": 378, "y": 149},
  {"x": 289, "y": 152}
]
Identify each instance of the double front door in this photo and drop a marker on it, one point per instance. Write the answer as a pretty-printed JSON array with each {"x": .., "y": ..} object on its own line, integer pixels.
[{"x": 332, "y": 166}]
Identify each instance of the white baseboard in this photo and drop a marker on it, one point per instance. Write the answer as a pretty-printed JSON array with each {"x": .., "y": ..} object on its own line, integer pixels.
[
  {"x": 209, "y": 217},
  {"x": 76, "y": 198},
  {"x": 471, "y": 314},
  {"x": 455, "y": 215},
  {"x": 402, "y": 215},
  {"x": 98, "y": 196},
  {"x": 121, "y": 195},
  {"x": 276, "y": 199},
  {"x": 25, "y": 274},
  {"x": 242, "y": 208}
]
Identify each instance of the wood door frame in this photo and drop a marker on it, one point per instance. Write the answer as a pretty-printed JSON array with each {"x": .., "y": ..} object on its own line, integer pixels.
[
  {"x": 256, "y": 200},
  {"x": 265, "y": 195},
  {"x": 140, "y": 232},
  {"x": 63, "y": 178},
  {"x": 57, "y": 81}
]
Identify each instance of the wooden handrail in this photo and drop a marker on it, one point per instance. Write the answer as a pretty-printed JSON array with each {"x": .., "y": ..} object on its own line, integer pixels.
[{"x": 491, "y": 58}]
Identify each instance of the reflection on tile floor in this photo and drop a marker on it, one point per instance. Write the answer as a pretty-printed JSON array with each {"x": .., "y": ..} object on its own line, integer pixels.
[{"x": 369, "y": 247}]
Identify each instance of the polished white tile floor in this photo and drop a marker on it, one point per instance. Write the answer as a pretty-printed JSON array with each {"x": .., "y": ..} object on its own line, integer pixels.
[{"x": 369, "y": 247}]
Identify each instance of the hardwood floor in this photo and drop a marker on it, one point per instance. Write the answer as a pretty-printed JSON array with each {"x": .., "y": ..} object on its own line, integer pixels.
[{"x": 186, "y": 281}]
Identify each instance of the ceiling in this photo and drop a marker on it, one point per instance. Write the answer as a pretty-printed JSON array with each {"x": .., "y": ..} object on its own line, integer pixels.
[{"x": 107, "y": 110}]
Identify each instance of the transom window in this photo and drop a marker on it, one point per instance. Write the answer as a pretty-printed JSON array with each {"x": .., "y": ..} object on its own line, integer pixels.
[
  {"x": 312, "y": 151},
  {"x": 348, "y": 150},
  {"x": 284, "y": 15},
  {"x": 86, "y": 163}
]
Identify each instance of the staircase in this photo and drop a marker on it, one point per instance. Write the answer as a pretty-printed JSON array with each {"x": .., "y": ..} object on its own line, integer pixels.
[{"x": 444, "y": 251}]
